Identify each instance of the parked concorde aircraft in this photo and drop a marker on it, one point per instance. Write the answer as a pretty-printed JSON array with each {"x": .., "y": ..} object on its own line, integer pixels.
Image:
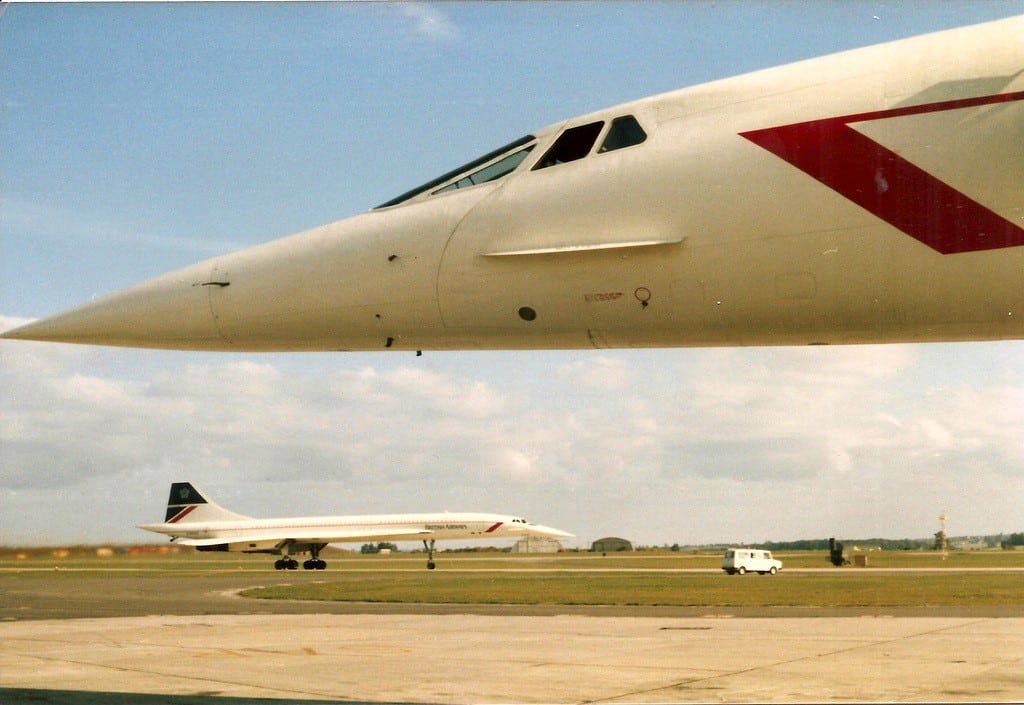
[
  {"x": 873, "y": 195},
  {"x": 194, "y": 520}
]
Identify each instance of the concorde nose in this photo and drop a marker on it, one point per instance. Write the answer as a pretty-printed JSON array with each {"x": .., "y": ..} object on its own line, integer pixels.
[
  {"x": 170, "y": 311},
  {"x": 550, "y": 533},
  {"x": 336, "y": 287}
]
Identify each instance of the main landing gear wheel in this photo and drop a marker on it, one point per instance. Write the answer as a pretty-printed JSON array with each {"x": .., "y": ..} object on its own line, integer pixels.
[
  {"x": 314, "y": 562},
  {"x": 430, "y": 553},
  {"x": 286, "y": 564}
]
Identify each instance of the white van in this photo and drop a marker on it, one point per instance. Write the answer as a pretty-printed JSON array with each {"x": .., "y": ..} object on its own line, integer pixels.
[{"x": 742, "y": 560}]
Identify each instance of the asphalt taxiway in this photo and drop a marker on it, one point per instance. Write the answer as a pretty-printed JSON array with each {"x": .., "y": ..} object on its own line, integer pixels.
[{"x": 83, "y": 639}]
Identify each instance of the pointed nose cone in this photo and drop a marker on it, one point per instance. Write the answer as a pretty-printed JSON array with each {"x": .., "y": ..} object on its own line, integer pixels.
[
  {"x": 549, "y": 533},
  {"x": 336, "y": 287},
  {"x": 171, "y": 311}
]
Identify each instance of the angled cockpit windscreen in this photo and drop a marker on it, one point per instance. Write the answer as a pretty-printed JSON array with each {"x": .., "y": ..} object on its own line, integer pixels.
[
  {"x": 473, "y": 175},
  {"x": 491, "y": 172},
  {"x": 575, "y": 143},
  {"x": 624, "y": 132}
]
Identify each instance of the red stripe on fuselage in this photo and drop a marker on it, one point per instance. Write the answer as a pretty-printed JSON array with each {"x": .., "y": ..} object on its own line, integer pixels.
[
  {"x": 494, "y": 528},
  {"x": 182, "y": 514},
  {"x": 887, "y": 185}
]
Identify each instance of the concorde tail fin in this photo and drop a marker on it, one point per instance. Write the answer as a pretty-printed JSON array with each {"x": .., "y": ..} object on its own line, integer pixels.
[{"x": 187, "y": 504}]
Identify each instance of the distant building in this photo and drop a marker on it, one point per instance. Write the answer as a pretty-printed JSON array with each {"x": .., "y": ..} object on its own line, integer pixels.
[
  {"x": 532, "y": 544},
  {"x": 611, "y": 544}
]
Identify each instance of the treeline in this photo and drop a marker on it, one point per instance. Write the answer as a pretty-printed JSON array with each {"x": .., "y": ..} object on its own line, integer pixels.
[
  {"x": 1012, "y": 541},
  {"x": 370, "y": 548},
  {"x": 822, "y": 544},
  {"x": 1006, "y": 541}
]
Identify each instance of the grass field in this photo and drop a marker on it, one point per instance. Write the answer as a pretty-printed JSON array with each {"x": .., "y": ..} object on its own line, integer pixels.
[
  {"x": 664, "y": 579},
  {"x": 414, "y": 561},
  {"x": 990, "y": 578},
  {"x": 841, "y": 589}
]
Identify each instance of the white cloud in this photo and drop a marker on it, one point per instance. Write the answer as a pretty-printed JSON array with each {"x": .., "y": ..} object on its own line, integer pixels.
[
  {"x": 600, "y": 373},
  {"x": 670, "y": 446},
  {"x": 511, "y": 463},
  {"x": 31, "y": 359},
  {"x": 428, "y": 22},
  {"x": 9, "y": 322}
]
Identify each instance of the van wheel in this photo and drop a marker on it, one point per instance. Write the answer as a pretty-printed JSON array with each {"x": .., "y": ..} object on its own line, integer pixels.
[
  {"x": 741, "y": 570},
  {"x": 774, "y": 570}
]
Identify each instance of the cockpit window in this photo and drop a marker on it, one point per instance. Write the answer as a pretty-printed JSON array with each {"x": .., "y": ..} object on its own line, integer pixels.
[
  {"x": 624, "y": 132},
  {"x": 434, "y": 183},
  {"x": 491, "y": 172},
  {"x": 575, "y": 143}
]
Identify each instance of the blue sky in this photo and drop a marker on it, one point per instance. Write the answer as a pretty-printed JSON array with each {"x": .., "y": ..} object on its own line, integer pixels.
[{"x": 138, "y": 138}]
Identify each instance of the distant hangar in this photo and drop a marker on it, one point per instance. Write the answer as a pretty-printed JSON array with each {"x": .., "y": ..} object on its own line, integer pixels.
[{"x": 611, "y": 544}]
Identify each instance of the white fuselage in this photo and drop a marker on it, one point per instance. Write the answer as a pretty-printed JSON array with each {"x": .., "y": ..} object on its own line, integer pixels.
[
  {"x": 868, "y": 196},
  {"x": 263, "y": 533}
]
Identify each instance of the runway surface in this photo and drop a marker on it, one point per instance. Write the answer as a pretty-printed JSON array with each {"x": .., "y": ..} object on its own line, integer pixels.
[{"x": 82, "y": 638}]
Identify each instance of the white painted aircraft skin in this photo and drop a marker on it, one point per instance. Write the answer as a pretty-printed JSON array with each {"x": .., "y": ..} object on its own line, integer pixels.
[
  {"x": 194, "y": 520},
  {"x": 868, "y": 196}
]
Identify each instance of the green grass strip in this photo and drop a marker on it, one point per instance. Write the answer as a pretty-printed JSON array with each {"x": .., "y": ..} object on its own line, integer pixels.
[{"x": 840, "y": 589}]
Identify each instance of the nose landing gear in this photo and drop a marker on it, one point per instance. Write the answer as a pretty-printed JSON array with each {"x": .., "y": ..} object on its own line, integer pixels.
[{"x": 430, "y": 553}]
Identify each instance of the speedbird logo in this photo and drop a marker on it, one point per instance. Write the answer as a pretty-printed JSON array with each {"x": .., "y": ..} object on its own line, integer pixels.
[{"x": 887, "y": 185}]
